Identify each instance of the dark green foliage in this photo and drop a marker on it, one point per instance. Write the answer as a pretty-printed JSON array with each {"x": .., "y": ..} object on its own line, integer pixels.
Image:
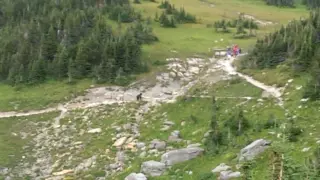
[
  {"x": 69, "y": 39},
  {"x": 171, "y": 15},
  {"x": 237, "y": 123},
  {"x": 166, "y": 21},
  {"x": 271, "y": 123},
  {"x": 207, "y": 176},
  {"x": 312, "y": 4},
  {"x": 293, "y": 132},
  {"x": 246, "y": 168},
  {"x": 240, "y": 24},
  {"x": 280, "y": 3},
  {"x": 298, "y": 45},
  {"x": 216, "y": 137}
]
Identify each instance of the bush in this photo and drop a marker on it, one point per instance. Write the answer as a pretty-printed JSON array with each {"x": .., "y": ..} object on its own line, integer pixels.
[
  {"x": 293, "y": 133},
  {"x": 207, "y": 176}
]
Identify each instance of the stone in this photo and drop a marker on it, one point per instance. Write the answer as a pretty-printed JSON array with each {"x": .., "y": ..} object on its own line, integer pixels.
[
  {"x": 180, "y": 155},
  {"x": 253, "y": 149},
  {"x": 194, "y": 70},
  {"x": 136, "y": 176},
  {"x": 226, "y": 175},
  {"x": 129, "y": 140},
  {"x": 172, "y": 74},
  {"x": 207, "y": 134},
  {"x": 4, "y": 170},
  {"x": 174, "y": 139},
  {"x": 121, "y": 156},
  {"x": 127, "y": 126},
  {"x": 142, "y": 154},
  {"x": 114, "y": 166},
  {"x": 194, "y": 145},
  {"x": 221, "y": 167},
  {"x": 140, "y": 145},
  {"x": 306, "y": 149},
  {"x": 176, "y": 133},
  {"x": 156, "y": 144},
  {"x": 165, "y": 128},
  {"x": 266, "y": 94},
  {"x": 153, "y": 168},
  {"x": 168, "y": 123},
  {"x": 183, "y": 123},
  {"x": 87, "y": 163},
  {"x": 63, "y": 172},
  {"x": 96, "y": 130},
  {"x": 120, "y": 142}
]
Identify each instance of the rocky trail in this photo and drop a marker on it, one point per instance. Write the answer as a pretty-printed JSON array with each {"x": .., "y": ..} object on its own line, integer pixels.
[
  {"x": 182, "y": 76},
  {"x": 64, "y": 140}
]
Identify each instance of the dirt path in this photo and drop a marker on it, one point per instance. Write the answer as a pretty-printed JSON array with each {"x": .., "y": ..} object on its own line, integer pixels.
[
  {"x": 181, "y": 76},
  {"x": 227, "y": 66}
]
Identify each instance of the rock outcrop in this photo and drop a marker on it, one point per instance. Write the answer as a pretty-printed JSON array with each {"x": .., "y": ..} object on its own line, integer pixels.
[
  {"x": 153, "y": 168},
  {"x": 136, "y": 176},
  {"x": 253, "y": 149},
  {"x": 180, "y": 155}
]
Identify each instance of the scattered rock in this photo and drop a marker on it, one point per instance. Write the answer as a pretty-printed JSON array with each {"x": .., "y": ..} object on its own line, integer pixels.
[
  {"x": 266, "y": 94},
  {"x": 253, "y": 149},
  {"x": 156, "y": 144},
  {"x": 140, "y": 145},
  {"x": 120, "y": 142},
  {"x": 63, "y": 172},
  {"x": 225, "y": 175},
  {"x": 180, "y": 155},
  {"x": 136, "y": 176},
  {"x": 4, "y": 171},
  {"x": 168, "y": 123},
  {"x": 87, "y": 163},
  {"x": 114, "y": 166},
  {"x": 153, "y": 168},
  {"x": 96, "y": 130},
  {"x": 142, "y": 154},
  {"x": 306, "y": 149},
  {"x": 121, "y": 156},
  {"x": 221, "y": 167},
  {"x": 175, "y": 136},
  {"x": 165, "y": 128},
  {"x": 207, "y": 134}
]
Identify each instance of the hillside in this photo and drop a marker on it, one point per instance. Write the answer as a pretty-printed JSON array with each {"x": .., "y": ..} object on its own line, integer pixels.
[{"x": 69, "y": 102}]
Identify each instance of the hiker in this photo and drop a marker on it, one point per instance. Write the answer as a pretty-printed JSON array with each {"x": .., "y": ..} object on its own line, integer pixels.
[
  {"x": 239, "y": 50},
  {"x": 139, "y": 97}
]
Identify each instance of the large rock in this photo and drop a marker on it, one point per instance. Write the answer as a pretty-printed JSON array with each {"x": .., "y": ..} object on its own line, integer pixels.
[
  {"x": 96, "y": 130},
  {"x": 156, "y": 144},
  {"x": 180, "y": 155},
  {"x": 226, "y": 175},
  {"x": 253, "y": 149},
  {"x": 266, "y": 94},
  {"x": 136, "y": 176},
  {"x": 221, "y": 167},
  {"x": 153, "y": 168},
  {"x": 120, "y": 142}
]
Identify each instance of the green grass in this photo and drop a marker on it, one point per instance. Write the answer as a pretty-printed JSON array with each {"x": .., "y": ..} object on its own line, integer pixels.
[
  {"x": 11, "y": 143},
  {"x": 39, "y": 96},
  {"x": 190, "y": 39}
]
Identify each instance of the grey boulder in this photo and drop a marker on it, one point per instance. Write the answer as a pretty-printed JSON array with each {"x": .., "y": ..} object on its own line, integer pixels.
[
  {"x": 136, "y": 176},
  {"x": 153, "y": 168},
  {"x": 226, "y": 175},
  {"x": 180, "y": 155},
  {"x": 253, "y": 149}
]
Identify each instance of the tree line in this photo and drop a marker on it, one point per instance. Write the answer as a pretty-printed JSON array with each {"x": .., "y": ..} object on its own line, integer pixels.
[
  {"x": 311, "y": 4},
  {"x": 240, "y": 24},
  {"x": 171, "y": 16},
  {"x": 71, "y": 39},
  {"x": 297, "y": 45}
]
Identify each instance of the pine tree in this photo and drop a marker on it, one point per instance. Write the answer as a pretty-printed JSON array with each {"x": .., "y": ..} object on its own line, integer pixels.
[{"x": 50, "y": 44}]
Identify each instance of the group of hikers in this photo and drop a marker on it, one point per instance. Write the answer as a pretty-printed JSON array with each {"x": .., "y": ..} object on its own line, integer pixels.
[{"x": 233, "y": 51}]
